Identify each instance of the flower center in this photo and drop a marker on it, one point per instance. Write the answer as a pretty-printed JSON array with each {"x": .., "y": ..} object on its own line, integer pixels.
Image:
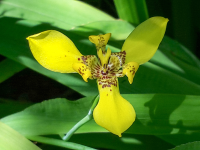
[
  {"x": 104, "y": 73},
  {"x": 108, "y": 66}
]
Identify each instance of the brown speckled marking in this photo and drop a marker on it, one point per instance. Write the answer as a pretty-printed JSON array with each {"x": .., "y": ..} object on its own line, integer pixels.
[
  {"x": 101, "y": 45},
  {"x": 113, "y": 68}
]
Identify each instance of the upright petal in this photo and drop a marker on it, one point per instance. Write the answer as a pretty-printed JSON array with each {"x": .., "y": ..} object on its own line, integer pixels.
[
  {"x": 54, "y": 51},
  {"x": 113, "y": 112},
  {"x": 142, "y": 43},
  {"x": 100, "y": 41}
]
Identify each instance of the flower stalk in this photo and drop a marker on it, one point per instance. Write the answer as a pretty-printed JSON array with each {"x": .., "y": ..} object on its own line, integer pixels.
[{"x": 87, "y": 118}]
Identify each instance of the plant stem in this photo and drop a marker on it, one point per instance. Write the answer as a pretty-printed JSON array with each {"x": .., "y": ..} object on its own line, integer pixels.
[
  {"x": 87, "y": 118},
  {"x": 60, "y": 143}
]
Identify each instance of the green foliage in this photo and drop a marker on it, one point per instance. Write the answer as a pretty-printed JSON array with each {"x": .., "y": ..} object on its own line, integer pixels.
[
  {"x": 8, "y": 136},
  {"x": 8, "y": 68},
  {"x": 169, "y": 115},
  {"x": 132, "y": 11},
  {"x": 190, "y": 146},
  {"x": 156, "y": 115}
]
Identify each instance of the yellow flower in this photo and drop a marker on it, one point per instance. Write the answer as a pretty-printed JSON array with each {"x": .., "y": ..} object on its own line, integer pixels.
[{"x": 56, "y": 52}]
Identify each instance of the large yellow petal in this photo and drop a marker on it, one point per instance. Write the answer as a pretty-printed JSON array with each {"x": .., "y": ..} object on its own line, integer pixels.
[
  {"x": 113, "y": 112},
  {"x": 54, "y": 51},
  {"x": 142, "y": 43}
]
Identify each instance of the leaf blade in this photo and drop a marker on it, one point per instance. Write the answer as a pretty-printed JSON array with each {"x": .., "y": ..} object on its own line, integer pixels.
[{"x": 10, "y": 139}]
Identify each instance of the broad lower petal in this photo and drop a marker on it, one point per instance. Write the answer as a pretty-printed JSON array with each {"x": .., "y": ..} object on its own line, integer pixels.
[
  {"x": 142, "y": 43},
  {"x": 54, "y": 51},
  {"x": 113, "y": 112}
]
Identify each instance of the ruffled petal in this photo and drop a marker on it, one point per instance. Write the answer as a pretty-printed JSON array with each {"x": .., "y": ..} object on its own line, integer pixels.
[
  {"x": 100, "y": 41},
  {"x": 142, "y": 43},
  {"x": 113, "y": 112},
  {"x": 54, "y": 51}
]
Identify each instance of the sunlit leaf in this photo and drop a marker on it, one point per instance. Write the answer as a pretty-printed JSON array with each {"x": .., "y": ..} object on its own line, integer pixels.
[
  {"x": 133, "y": 11},
  {"x": 12, "y": 140},
  {"x": 59, "y": 13},
  {"x": 156, "y": 115}
]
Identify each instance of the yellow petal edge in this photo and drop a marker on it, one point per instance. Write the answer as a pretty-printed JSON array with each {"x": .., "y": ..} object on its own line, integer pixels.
[
  {"x": 113, "y": 112},
  {"x": 54, "y": 51},
  {"x": 142, "y": 43}
]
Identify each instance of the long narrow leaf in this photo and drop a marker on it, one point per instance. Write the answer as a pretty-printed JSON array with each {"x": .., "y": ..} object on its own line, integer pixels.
[
  {"x": 156, "y": 115},
  {"x": 59, "y": 13},
  {"x": 133, "y": 11},
  {"x": 8, "y": 68},
  {"x": 12, "y": 140}
]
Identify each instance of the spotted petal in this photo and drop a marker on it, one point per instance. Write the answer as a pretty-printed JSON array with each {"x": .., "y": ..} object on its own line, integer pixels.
[
  {"x": 142, "y": 43},
  {"x": 54, "y": 51},
  {"x": 113, "y": 112}
]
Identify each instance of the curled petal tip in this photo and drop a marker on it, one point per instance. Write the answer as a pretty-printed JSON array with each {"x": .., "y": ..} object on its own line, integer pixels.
[{"x": 129, "y": 70}]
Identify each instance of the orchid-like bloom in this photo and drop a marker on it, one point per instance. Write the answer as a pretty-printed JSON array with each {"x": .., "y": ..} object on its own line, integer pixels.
[{"x": 56, "y": 52}]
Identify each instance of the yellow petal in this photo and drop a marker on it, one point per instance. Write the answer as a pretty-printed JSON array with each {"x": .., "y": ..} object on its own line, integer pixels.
[
  {"x": 113, "y": 112},
  {"x": 129, "y": 70},
  {"x": 54, "y": 51},
  {"x": 100, "y": 40},
  {"x": 142, "y": 43},
  {"x": 83, "y": 70},
  {"x": 104, "y": 57}
]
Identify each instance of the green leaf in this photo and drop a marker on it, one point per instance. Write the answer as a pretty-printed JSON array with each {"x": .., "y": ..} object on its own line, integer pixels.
[
  {"x": 119, "y": 29},
  {"x": 188, "y": 146},
  {"x": 59, "y": 13},
  {"x": 172, "y": 48},
  {"x": 51, "y": 113},
  {"x": 134, "y": 11},
  {"x": 178, "y": 139},
  {"x": 8, "y": 107},
  {"x": 12, "y": 140},
  {"x": 156, "y": 115},
  {"x": 176, "y": 65},
  {"x": 8, "y": 68},
  {"x": 126, "y": 142},
  {"x": 60, "y": 143}
]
